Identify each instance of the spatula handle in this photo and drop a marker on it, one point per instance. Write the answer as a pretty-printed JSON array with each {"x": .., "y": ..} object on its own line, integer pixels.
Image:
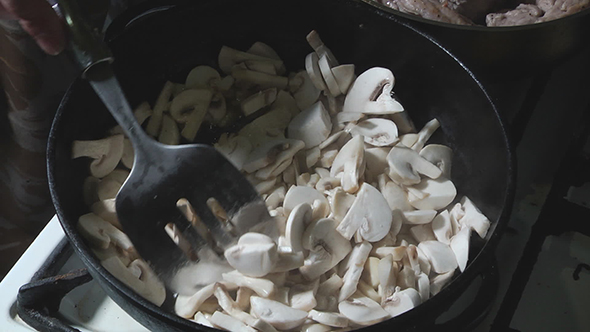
[{"x": 88, "y": 47}]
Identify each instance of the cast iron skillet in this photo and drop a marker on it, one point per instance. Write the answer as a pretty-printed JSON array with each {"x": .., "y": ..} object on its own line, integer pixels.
[
  {"x": 430, "y": 83},
  {"x": 498, "y": 53}
]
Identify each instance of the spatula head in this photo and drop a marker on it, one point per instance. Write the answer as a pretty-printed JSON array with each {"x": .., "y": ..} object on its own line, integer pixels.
[{"x": 194, "y": 195}]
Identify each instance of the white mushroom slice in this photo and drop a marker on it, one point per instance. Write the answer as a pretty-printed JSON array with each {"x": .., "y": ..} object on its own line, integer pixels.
[
  {"x": 101, "y": 234},
  {"x": 315, "y": 327},
  {"x": 261, "y": 66},
  {"x": 402, "y": 301},
  {"x": 387, "y": 271},
  {"x": 288, "y": 261},
  {"x": 225, "y": 84},
  {"x": 229, "y": 57},
  {"x": 344, "y": 75},
  {"x": 147, "y": 285},
  {"x": 258, "y": 101},
  {"x": 406, "y": 278},
  {"x": 188, "y": 102},
  {"x": 186, "y": 306},
  {"x": 314, "y": 40},
  {"x": 460, "y": 246},
  {"x": 376, "y": 131},
  {"x": 313, "y": 70},
  {"x": 169, "y": 133},
  {"x": 162, "y": 104},
  {"x": 408, "y": 140},
  {"x": 298, "y": 220},
  {"x": 108, "y": 188},
  {"x": 262, "y": 49},
  {"x": 275, "y": 198},
  {"x": 253, "y": 258},
  {"x": 142, "y": 112},
  {"x": 425, "y": 265},
  {"x": 406, "y": 165},
  {"x": 106, "y": 152},
  {"x": 474, "y": 218},
  {"x": 423, "y": 232},
  {"x": 263, "y": 187},
  {"x": 331, "y": 285},
  {"x": 243, "y": 298},
  {"x": 371, "y": 272},
  {"x": 259, "y": 130},
  {"x": 312, "y": 125},
  {"x": 456, "y": 213},
  {"x": 350, "y": 160},
  {"x": 376, "y": 159},
  {"x": 423, "y": 286},
  {"x": 221, "y": 320},
  {"x": 440, "y": 281},
  {"x": 425, "y": 133},
  {"x": 327, "y": 248},
  {"x": 262, "y": 287},
  {"x": 277, "y": 314},
  {"x": 412, "y": 259},
  {"x": 362, "y": 311},
  {"x": 303, "y": 194},
  {"x": 369, "y": 291},
  {"x": 370, "y": 93},
  {"x": 440, "y": 256},
  {"x": 201, "y": 319},
  {"x": 312, "y": 156},
  {"x": 328, "y": 156},
  {"x": 231, "y": 307},
  {"x": 329, "y": 183},
  {"x": 105, "y": 209},
  {"x": 370, "y": 213},
  {"x": 441, "y": 227},
  {"x": 328, "y": 318},
  {"x": 341, "y": 203},
  {"x": 328, "y": 76},
  {"x": 419, "y": 217},
  {"x": 356, "y": 262},
  {"x": 262, "y": 80},
  {"x": 237, "y": 150},
  {"x": 307, "y": 94},
  {"x": 440, "y": 156},
  {"x": 303, "y": 296},
  {"x": 438, "y": 193},
  {"x": 396, "y": 197},
  {"x": 202, "y": 77}
]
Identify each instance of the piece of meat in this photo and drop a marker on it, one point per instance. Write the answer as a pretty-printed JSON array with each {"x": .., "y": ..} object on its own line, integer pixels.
[
  {"x": 521, "y": 15},
  {"x": 429, "y": 9},
  {"x": 561, "y": 8}
]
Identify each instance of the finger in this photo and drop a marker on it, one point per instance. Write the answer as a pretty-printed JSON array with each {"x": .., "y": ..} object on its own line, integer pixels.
[{"x": 39, "y": 20}]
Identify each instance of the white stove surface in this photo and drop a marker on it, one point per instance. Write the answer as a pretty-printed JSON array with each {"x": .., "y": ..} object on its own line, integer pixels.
[{"x": 86, "y": 308}]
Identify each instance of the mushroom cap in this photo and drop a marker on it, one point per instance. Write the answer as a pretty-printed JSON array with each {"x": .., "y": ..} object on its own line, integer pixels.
[{"x": 370, "y": 93}]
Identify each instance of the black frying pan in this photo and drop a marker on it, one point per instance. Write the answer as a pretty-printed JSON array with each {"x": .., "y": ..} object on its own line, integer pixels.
[{"x": 430, "y": 83}]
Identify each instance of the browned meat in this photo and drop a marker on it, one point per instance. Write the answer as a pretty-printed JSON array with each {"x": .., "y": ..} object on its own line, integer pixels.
[
  {"x": 523, "y": 14},
  {"x": 429, "y": 9},
  {"x": 542, "y": 11}
]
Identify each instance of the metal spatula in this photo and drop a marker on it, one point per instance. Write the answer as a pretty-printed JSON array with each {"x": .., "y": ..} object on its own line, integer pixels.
[{"x": 190, "y": 189}]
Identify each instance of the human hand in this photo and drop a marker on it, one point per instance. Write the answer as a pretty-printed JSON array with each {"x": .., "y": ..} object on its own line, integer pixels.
[{"x": 39, "y": 20}]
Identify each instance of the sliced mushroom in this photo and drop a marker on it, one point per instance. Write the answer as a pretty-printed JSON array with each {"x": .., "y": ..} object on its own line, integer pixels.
[
  {"x": 376, "y": 131},
  {"x": 254, "y": 255},
  {"x": 263, "y": 80},
  {"x": 106, "y": 152},
  {"x": 404, "y": 123},
  {"x": 371, "y": 93},
  {"x": 262, "y": 287},
  {"x": 313, "y": 70},
  {"x": 371, "y": 272},
  {"x": 376, "y": 160},
  {"x": 161, "y": 105},
  {"x": 387, "y": 272},
  {"x": 460, "y": 246},
  {"x": 229, "y": 57},
  {"x": 258, "y": 101},
  {"x": 440, "y": 256},
  {"x": 202, "y": 77},
  {"x": 307, "y": 93},
  {"x": 474, "y": 218},
  {"x": 441, "y": 227},
  {"x": 370, "y": 213},
  {"x": 298, "y": 220},
  {"x": 351, "y": 162},
  {"x": 303, "y": 194},
  {"x": 423, "y": 232},
  {"x": 440, "y": 156},
  {"x": 277, "y": 314},
  {"x": 259, "y": 130},
  {"x": 147, "y": 284},
  {"x": 303, "y": 296},
  {"x": 286, "y": 101},
  {"x": 311, "y": 126},
  {"x": 362, "y": 311},
  {"x": 402, "y": 301},
  {"x": 425, "y": 133},
  {"x": 344, "y": 75},
  {"x": 406, "y": 165},
  {"x": 396, "y": 197},
  {"x": 328, "y": 318},
  {"x": 105, "y": 209},
  {"x": 440, "y": 281},
  {"x": 326, "y": 248},
  {"x": 229, "y": 323},
  {"x": 356, "y": 262},
  {"x": 169, "y": 133},
  {"x": 435, "y": 194},
  {"x": 270, "y": 152},
  {"x": 235, "y": 148},
  {"x": 329, "y": 79},
  {"x": 341, "y": 203},
  {"x": 288, "y": 261}
]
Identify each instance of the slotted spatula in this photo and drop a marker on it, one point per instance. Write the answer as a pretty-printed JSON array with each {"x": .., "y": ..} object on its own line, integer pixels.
[{"x": 164, "y": 177}]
